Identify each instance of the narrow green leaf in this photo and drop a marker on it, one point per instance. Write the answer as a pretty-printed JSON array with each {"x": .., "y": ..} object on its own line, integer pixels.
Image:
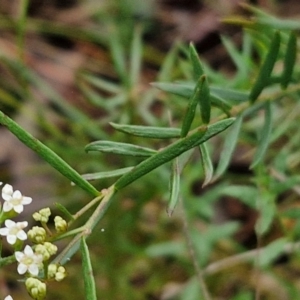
[
  {"x": 197, "y": 67},
  {"x": 289, "y": 60},
  {"x": 191, "y": 109},
  {"x": 204, "y": 100},
  {"x": 47, "y": 154},
  {"x": 166, "y": 70},
  {"x": 108, "y": 174},
  {"x": 265, "y": 71},
  {"x": 232, "y": 96},
  {"x": 235, "y": 55},
  {"x": 136, "y": 55},
  {"x": 207, "y": 164},
  {"x": 199, "y": 135},
  {"x": 119, "y": 148},
  {"x": 186, "y": 90},
  {"x": 148, "y": 131},
  {"x": 88, "y": 277},
  {"x": 102, "y": 84},
  {"x": 229, "y": 146},
  {"x": 265, "y": 136},
  {"x": 174, "y": 187},
  {"x": 64, "y": 210},
  {"x": 118, "y": 55}
]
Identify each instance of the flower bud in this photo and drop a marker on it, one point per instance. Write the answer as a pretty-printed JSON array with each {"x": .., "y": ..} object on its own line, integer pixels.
[
  {"x": 36, "y": 289},
  {"x": 37, "y": 235},
  {"x": 56, "y": 272},
  {"x": 46, "y": 250},
  {"x": 43, "y": 215},
  {"x": 60, "y": 224}
]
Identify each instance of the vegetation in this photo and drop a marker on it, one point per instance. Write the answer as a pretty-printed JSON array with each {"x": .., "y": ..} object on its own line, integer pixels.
[{"x": 162, "y": 212}]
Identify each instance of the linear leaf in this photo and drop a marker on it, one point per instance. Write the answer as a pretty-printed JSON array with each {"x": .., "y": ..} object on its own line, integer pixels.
[
  {"x": 197, "y": 67},
  {"x": 136, "y": 55},
  {"x": 186, "y": 90},
  {"x": 119, "y": 148},
  {"x": 47, "y": 154},
  {"x": 265, "y": 136},
  {"x": 199, "y": 135},
  {"x": 191, "y": 110},
  {"x": 118, "y": 55},
  {"x": 207, "y": 164},
  {"x": 289, "y": 60},
  {"x": 148, "y": 131},
  {"x": 108, "y": 174},
  {"x": 174, "y": 187},
  {"x": 229, "y": 146},
  {"x": 88, "y": 277},
  {"x": 265, "y": 71},
  {"x": 204, "y": 100}
]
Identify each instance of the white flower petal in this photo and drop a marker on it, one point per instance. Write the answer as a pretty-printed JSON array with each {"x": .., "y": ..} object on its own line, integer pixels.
[
  {"x": 17, "y": 195},
  {"x": 21, "y": 235},
  {"x": 33, "y": 270},
  {"x": 26, "y": 200},
  {"x": 19, "y": 255},
  {"x": 22, "y": 268},
  {"x": 11, "y": 239},
  {"x": 9, "y": 297},
  {"x": 4, "y": 231},
  {"x": 18, "y": 208},
  {"x": 7, "y": 206},
  {"x": 28, "y": 250},
  {"x": 9, "y": 223},
  {"x": 7, "y": 189}
]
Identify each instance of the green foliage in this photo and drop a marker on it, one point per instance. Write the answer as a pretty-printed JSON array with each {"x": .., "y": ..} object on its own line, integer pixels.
[{"x": 255, "y": 109}]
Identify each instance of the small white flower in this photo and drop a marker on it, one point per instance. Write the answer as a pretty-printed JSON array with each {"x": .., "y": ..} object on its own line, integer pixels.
[
  {"x": 13, "y": 199},
  {"x": 14, "y": 231},
  {"x": 28, "y": 261},
  {"x": 9, "y": 297}
]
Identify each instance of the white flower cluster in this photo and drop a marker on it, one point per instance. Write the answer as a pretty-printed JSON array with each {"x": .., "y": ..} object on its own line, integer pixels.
[
  {"x": 31, "y": 259},
  {"x": 13, "y": 205}
]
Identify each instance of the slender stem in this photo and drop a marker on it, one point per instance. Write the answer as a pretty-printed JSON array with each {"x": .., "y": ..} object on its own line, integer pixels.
[
  {"x": 86, "y": 207},
  {"x": 73, "y": 246},
  {"x": 198, "y": 269}
]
